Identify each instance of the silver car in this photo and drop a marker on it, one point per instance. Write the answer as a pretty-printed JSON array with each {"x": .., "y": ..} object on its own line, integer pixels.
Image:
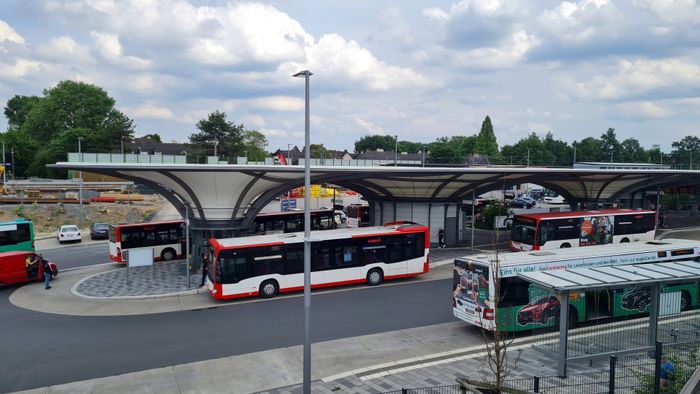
[{"x": 68, "y": 233}]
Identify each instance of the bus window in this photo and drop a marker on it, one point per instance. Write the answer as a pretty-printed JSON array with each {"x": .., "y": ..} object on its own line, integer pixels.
[
  {"x": 326, "y": 222},
  {"x": 321, "y": 256},
  {"x": 394, "y": 250},
  {"x": 294, "y": 260},
  {"x": 515, "y": 292},
  {"x": 349, "y": 255},
  {"x": 523, "y": 231},
  {"x": 373, "y": 254},
  {"x": 294, "y": 225}
]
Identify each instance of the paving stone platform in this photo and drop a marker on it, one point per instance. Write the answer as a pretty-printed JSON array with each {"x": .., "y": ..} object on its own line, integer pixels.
[{"x": 161, "y": 279}]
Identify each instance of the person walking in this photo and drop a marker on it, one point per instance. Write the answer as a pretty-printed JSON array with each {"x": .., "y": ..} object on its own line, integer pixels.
[
  {"x": 441, "y": 238},
  {"x": 48, "y": 272},
  {"x": 205, "y": 268}
]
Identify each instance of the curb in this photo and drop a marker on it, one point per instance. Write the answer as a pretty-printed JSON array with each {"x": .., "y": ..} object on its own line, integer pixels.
[{"x": 75, "y": 292}]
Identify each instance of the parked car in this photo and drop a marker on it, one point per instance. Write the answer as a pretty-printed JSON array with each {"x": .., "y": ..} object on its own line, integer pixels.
[
  {"x": 16, "y": 267},
  {"x": 554, "y": 199},
  {"x": 340, "y": 217},
  {"x": 67, "y": 233},
  {"x": 521, "y": 203},
  {"x": 639, "y": 298},
  {"x": 99, "y": 231},
  {"x": 539, "y": 310},
  {"x": 528, "y": 199}
]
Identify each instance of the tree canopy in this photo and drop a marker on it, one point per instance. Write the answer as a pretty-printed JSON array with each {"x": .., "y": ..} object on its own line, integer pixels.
[
  {"x": 42, "y": 129},
  {"x": 216, "y": 130}
]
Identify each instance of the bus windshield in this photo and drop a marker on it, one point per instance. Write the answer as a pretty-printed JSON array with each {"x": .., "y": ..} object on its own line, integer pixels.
[
  {"x": 523, "y": 230},
  {"x": 16, "y": 236}
]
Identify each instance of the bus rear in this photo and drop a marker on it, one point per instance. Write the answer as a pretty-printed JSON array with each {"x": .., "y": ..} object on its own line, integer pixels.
[
  {"x": 115, "y": 244},
  {"x": 471, "y": 292},
  {"x": 17, "y": 235}
]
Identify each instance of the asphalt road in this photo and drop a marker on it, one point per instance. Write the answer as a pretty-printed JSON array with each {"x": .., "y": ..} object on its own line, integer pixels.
[
  {"x": 74, "y": 256},
  {"x": 39, "y": 349}
]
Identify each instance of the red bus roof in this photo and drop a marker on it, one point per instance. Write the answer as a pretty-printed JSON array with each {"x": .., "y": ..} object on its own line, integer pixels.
[
  {"x": 148, "y": 223},
  {"x": 571, "y": 214},
  {"x": 319, "y": 235},
  {"x": 14, "y": 253}
]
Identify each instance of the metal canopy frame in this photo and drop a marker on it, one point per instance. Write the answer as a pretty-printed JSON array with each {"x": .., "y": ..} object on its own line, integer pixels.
[
  {"x": 563, "y": 282},
  {"x": 232, "y": 195}
]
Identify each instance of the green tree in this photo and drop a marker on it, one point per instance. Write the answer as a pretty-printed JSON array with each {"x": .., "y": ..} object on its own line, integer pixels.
[
  {"x": 17, "y": 108},
  {"x": 318, "y": 151},
  {"x": 255, "y": 143},
  {"x": 486, "y": 143},
  {"x": 445, "y": 152},
  {"x": 215, "y": 129},
  {"x": 588, "y": 149},
  {"x": 562, "y": 152},
  {"x": 531, "y": 147},
  {"x": 610, "y": 146},
  {"x": 409, "y": 147},
  {"x": 686, "y": 151},
  {"x": 42, "y": 129},
  {"x": 155, "y": 137},
  {"x": 374, "y": 142},
  {"x": 632, "y": 152}
]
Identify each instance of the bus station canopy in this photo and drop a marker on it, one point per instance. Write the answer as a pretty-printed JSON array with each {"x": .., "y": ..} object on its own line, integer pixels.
[
  {"x": 218, "y": 192},
  {"x": 618, "y": 276}
]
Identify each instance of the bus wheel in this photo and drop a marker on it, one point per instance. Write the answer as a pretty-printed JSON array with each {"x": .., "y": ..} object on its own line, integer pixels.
[
  {"x": 686, "y": 302},
  {"x": 565, "y": 245},
  {"x": 624, "y": 240},
  {"x": 167, "y": 254},
  {"x": 269, "y": 289},
  {"x": 375, "y": 276}
]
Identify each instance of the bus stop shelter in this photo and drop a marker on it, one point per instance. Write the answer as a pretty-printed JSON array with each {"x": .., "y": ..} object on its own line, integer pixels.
[{"x": 566, "y": 282}]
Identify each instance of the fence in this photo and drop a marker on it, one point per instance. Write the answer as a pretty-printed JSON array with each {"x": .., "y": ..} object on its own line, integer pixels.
[{"x": 638, "y": 373}]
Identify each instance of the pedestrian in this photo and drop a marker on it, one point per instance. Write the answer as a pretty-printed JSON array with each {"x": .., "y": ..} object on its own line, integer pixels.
[
  {"x": 205, "y": 268},
  {"x": 441, "y": 238},
  {"x": 48, "y": 272}
]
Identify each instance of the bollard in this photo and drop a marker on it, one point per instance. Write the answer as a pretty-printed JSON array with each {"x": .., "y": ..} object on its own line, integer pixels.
[
  {"x": 536, "y": 384},
  {"x": 611, "y": 383}
]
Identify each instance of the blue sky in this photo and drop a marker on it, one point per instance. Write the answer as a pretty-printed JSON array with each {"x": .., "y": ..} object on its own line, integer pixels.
[{"x": 417, "y": 69}]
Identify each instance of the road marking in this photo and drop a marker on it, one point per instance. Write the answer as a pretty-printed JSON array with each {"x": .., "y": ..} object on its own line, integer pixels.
[{"x": 466, "y": 353}]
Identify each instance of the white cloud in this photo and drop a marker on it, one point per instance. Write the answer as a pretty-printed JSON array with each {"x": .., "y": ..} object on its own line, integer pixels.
[
  {"x": 673, "y": 11},
  {"x": 510, "y": 54},
  {"x": 7, "y": 33},
  {"x": 277, "y": 103},
  {"x": 110, "y": 48},
  {"x": 274, "y": 133},
  {"x": 150, "y": 110},
  {"x": 641, "y": 76},
  {"x": 578, "y": 21},
  {"x": 639, "y": 111},
  {"x": 370, "y": 127},
  {"x": 253, "y": 120},
  {"x": 65, "y": 49},
  {"x": 20, "y": 68}
]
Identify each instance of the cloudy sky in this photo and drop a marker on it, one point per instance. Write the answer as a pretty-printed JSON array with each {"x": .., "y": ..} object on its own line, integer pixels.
[{"x": 417, "y": 69}]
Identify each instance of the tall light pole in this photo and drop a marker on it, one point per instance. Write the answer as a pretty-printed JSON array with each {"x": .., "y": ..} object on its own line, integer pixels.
[
  {"x": 80, "y": 182},
  {"x": 528, "y": 157},
  {"x": 396, "y": 150},
  {"x": 4, "y": 165},
  {"x": 289, "y": 152},
  {"x": 307, "y": 238},
  {"x": 423, "y": 156},
  {"x": 611, "y": 155},
  {"x": 574, "y": 153},
  {"x": 216, "y": 143},
  {"x": 12, "y": 156}
]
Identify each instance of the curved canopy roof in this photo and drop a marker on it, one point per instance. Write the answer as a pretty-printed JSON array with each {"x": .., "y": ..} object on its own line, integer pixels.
[{"x": 230, "y": 193}]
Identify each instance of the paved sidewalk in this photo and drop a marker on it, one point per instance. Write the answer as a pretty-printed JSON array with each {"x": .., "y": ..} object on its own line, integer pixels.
[{"x": 162, "y": 279}]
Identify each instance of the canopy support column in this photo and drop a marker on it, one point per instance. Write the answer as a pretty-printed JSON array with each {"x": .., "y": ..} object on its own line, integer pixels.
[
  {"x": 563, "y": 331},
  {"x": 654, "y": 314}
]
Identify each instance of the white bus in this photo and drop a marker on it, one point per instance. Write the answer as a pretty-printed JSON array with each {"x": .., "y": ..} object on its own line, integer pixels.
[
  {"x": 167, "y": 239},
  {"x": 269, "y": 264},
  {"x": 555, "y": 230},
  {"x": 524, "y": 307}
]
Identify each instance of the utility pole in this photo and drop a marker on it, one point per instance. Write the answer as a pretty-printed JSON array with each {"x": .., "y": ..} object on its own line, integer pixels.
[
  {"x": 423, "y": 156},
  {"x": 216, "y": 143},
  {"x": 611, "y": 155},
  {"x": 12, "y": 155},
  {"x": 574, "y": 154},
  {"x": 4, "y": 165},
  {"x": 307, "y": 239},
  {"x": 528, "y": 157},
  {"x": 80, "y": 183},
  {"x": 396, "y": 150}
]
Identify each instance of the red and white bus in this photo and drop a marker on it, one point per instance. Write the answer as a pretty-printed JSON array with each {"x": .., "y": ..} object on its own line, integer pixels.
[
  {"x": 167, "y": 238},
  {"x": 358, "y": 215},
  {"x": 267, "y": 265},
  {"x": 292, "y": 221},
  {"x": 554, "y": 230}
]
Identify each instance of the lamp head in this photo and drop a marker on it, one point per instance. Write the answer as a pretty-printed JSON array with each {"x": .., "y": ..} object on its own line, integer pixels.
[{"x": 305, "y": 73}]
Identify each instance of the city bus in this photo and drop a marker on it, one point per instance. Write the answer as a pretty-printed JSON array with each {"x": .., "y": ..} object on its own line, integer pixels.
[
  {"x": 167, "y": 238},
  {"x": 17, "y": 235},
  {"x": 358, "y": 215},
  {"x": 266, "y": 265},
  {"x": 555, "y": 230},
  {"x": 522, "y": 306},
  {"x": 292, "y": 221}
]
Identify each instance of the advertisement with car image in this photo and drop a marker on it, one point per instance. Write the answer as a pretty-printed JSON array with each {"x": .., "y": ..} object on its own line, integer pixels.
[{"x": 539, "y": 311}]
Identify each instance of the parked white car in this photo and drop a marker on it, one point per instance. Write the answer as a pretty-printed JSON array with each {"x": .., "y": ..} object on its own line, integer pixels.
[
  {"x": 68, "y": 233},
  {"x": 340, "y": 217},
  {"x": 554, "y": 199}
]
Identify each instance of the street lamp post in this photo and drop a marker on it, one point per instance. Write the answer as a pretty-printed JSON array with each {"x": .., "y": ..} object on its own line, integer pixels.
[
  {"x": 4, "y": 165},
  {"x": 528, "y": 157},
  {"x": 307, "y": 238},
  {"x": 396, "y": 150},
  {"x": 216, "y": 144},
  {"x": 80, "y": 182},
  {"x": 289, "y": 152}
]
